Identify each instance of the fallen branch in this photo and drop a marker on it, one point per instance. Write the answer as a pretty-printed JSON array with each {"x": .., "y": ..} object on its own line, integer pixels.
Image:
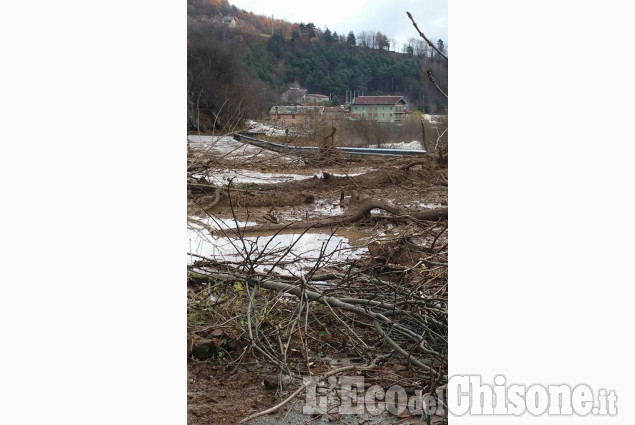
[
  {"x": 313, "y": 294},
  {"x": 397, "y": 348},
  {"x": 201, "y": 224},
  {"x": 424, "y": 37},
  {"x": 434, "y": 81},
  {"x": 431, "y": 215}
]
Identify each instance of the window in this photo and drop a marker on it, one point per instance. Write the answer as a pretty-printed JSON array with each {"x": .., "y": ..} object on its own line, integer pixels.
[
  {"x": 292, "y": 116},
  {"x": 356, "y": 108}
]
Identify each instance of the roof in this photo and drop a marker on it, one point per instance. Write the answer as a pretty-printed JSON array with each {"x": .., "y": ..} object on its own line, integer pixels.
[
  {"x": 296, "y": 110},
  {"x": 317, "y": 95},
  {"x": 378, "y": 100},
  {"x": 228, "y": 18}
]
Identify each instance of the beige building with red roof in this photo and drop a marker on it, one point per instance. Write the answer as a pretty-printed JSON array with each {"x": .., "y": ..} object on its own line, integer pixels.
[{"x": 379, "y": 108}]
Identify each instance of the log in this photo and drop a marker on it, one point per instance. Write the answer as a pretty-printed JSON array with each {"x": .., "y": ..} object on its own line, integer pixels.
[
  {"x": 431, "y": 215},
  {"x": 356, "y": 212}
]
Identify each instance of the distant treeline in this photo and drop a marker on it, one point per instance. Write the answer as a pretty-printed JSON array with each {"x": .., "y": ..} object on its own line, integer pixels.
[{"x": 243, "y": 70}]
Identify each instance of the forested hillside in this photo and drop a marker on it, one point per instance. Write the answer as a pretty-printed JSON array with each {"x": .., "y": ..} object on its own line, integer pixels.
[{"x": 242, "y": 70}]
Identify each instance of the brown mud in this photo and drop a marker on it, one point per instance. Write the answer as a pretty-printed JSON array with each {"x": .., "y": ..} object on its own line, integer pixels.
[{"x": 224, "y": 387}]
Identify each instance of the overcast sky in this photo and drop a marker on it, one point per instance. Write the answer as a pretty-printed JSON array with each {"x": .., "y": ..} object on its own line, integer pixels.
[{"x": 387, "y": 16}]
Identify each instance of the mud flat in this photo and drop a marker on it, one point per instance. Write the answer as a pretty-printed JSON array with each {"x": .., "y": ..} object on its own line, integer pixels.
[{"x": 256, "y": 222}]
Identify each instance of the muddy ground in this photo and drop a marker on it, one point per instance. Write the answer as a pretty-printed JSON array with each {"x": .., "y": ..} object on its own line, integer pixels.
[{"x": 228, "y": 180}]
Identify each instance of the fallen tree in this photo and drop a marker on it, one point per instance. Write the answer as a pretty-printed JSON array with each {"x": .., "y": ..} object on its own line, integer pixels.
[{"x": 355, "y": 212}]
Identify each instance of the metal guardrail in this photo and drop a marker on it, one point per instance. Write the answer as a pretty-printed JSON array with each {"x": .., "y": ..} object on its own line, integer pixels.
[{"x": 282, "y": 148}]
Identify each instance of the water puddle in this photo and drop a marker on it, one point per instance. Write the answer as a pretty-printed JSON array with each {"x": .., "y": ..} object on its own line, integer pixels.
[
  {"x": 221, "y": 145},
  {"x": 324, "y": 207},
  {"x": 227, "y": 148},
  {"x": 221, "y": 177},
  {"x": 290, "y": 252},
  {"x": 243, "y": 176},
  {"x": 425, "y": 205}
]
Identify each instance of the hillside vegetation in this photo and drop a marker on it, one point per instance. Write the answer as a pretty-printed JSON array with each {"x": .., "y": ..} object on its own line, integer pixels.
[{"x": 237, "y": 73}]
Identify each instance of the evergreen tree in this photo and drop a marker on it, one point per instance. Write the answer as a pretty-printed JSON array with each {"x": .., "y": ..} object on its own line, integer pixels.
[
  {"x": 440, "y": 46},
  {"x": 311, "y": 30},
  {"x": 327, "y": 37},
  {"x": 350, "y": 40},
  {"x": 276, "y": 45}
]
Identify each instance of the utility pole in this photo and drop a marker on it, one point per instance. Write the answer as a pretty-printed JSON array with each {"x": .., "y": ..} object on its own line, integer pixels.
[{"x": 271, "y": 24}]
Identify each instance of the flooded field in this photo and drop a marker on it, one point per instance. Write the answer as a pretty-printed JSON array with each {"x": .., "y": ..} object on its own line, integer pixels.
[
  {"x": 289, "y": 252},
  {"x": 370, "y": 231}
]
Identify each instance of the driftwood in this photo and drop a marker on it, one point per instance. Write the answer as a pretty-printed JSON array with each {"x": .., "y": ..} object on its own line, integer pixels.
[
  {"x": 357, "y": 211},
  {"x": 210, "y": 201},
  {"x": 353, "y": 305},
  {"x": 430, "y": 215}
]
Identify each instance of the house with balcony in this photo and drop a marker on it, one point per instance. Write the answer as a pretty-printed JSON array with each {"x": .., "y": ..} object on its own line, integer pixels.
[{"x": 379, "y": 108}]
